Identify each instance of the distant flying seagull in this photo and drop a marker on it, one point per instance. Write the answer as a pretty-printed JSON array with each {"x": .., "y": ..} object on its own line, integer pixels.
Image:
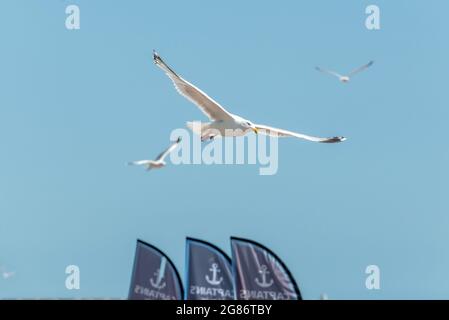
[
  {"x": 6, "y": 274},
  {"x": 159, "y": 161},
  {"x": 346, "y": 78},
  {"x": 223, "y": 122}
]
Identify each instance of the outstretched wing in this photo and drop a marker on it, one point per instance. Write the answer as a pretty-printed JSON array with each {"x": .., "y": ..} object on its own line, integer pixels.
[
  {"x": 359, "y": 69},
  {"x": 139, "y": 162},
  {"x": 172, "y": 147},
  {"x": 208, "y": 106},
  {"x": 333, "y": 73},
  {"x": 275, "y": 132}
]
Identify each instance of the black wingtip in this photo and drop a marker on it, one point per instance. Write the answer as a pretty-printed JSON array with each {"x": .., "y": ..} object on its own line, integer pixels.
[
  {"x": 156, "y": 57},
  {"x": 334, "y": 140}
]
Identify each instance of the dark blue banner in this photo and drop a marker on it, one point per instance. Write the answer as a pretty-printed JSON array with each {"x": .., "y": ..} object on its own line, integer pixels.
[
  {"x": 259, "y": 274},
  {"x": 208, "y": 272},
  {"x": 154, "y": 276}
]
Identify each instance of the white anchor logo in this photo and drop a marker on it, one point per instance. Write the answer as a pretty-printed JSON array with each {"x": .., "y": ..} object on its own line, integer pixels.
[
  {"x": 264, "y": 272},
  {"x": 158, "y": 284},
  {"x": 215, "y": 270}
]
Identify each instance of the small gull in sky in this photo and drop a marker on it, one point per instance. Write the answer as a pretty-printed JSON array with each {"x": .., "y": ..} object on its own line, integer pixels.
[
  {"x": 224, "y": 123},
  {"x": 345, "y": 78},
  {"x": 159, "y": 161},
  {"x": 6, "y": 274}
]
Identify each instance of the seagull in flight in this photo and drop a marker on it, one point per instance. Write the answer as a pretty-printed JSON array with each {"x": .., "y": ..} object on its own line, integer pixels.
[
  {"x": 345, "y": 78},
  {"x": 159, "y": 161},
  {"x": 6, "y": 274},
  {"x": 222, "y": 122}
]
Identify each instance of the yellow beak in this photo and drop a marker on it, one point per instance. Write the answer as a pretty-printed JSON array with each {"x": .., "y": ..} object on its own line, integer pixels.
[{"x": 256, "y": 131}]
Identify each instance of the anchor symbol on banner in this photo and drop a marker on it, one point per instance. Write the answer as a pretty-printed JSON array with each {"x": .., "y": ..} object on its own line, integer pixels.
[
  {"x": 158, "y": 284},
  {"x": 263, "y": 272},
  {"x": 215, "y": 270}
]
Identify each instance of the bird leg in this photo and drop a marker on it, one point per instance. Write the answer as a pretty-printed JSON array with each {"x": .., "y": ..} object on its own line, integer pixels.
[{"x": 209, "y": 137}]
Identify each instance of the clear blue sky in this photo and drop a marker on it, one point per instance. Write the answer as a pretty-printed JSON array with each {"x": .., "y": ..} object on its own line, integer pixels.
[{"x": 75, "y": 106}]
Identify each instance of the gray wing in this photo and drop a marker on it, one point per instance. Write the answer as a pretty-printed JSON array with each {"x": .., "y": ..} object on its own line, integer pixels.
[
  {"x": 333, "y": 73},
  {"x": 172, "y": 147},
  {"x": 212, "y": 109},
  {"x": 359, "y": 69},
  {"x": 275, "y": 132}
]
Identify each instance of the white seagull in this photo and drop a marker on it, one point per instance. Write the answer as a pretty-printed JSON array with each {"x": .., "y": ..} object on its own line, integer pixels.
[
  {"x": 159, "y": 161},
  {"x": 345, "y": 78},
  {"x": 6, "y": 274},
  {"x": 224, "y": 123}
]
